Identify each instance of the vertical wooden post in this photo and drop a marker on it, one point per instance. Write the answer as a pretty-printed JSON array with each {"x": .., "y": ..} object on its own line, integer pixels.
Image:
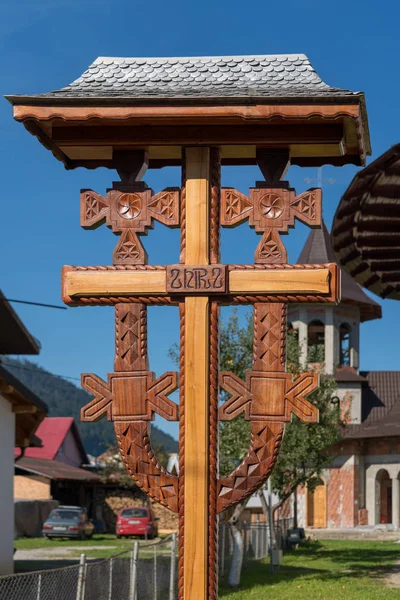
[{"x": 197, "y": 326}]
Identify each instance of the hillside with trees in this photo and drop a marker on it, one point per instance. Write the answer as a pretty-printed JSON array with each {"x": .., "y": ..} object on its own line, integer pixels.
[{"x": 65, "y": 399}]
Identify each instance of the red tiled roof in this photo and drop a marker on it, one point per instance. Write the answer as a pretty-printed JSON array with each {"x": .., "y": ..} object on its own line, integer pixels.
[
  {"x": 53, "y": 469},
  {"x": 52, "y": 431}
]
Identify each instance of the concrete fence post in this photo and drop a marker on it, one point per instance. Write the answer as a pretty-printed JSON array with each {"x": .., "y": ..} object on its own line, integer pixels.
[
  {"x": 110, "y": 579},
  {"x": 257, "y": 541},
  {"x": 172, "y": 576},
  {"x": 39, "y": 587},
  {"x": 134, "y": 566},
  {"x": 155, "y": 573},
  {"x": 222, "y": 564},
  {"x": 80, "y": 590}
]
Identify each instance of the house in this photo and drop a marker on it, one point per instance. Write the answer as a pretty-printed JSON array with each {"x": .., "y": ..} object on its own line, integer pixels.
[
  {"x": 20, "y": 414},
  {"x": 54, "y": 471},
  {"x": 362, "y": 485}
]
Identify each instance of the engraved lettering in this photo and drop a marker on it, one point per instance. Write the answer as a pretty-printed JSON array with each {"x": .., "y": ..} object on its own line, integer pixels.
[
  {"x": 217, "y": 282},
  {"x": 204, "y": 283},
  {"x": 196, "y": 279},
  {"x": 188, "y": 277},
  {"x": 176, "y": 282}
]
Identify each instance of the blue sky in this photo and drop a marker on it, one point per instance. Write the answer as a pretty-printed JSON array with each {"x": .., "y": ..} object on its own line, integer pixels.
[{"x": 45, "y": 44}]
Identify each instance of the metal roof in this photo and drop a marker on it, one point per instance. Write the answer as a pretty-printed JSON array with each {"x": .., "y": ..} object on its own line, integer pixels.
[
  {"x": 54, "y": 469},
  {"x": 380, "y": 406},
  {"x": 53, "y": 431},
  {"x": 318, "y": 249},
  {"x": 268, "y": 76}
]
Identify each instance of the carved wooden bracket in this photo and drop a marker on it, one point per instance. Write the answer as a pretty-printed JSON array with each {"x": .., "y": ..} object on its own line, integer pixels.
[
  {"x": 130, "y": 398},
  {"x": 267, "y": 397},
  {"x": 270, "y": 211},
  {"x": 129, "y": 212}
]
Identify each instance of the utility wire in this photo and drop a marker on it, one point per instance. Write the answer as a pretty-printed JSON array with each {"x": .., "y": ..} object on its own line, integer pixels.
[
  {"x": 13, "y": 365},
  {"x": 34, "y": 303}
]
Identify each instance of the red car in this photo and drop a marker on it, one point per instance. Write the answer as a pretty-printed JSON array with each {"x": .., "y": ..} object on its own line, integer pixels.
[{"x": 136, "y": 521}]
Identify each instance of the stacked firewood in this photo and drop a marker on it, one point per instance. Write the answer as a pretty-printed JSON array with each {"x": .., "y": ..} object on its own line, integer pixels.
[{"x": 115, "y": 500}]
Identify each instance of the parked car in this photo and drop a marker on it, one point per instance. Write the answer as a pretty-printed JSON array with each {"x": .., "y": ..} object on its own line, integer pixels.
[
  {"x": 136, "y": 521},
  {"x": 68, "y": 521}
]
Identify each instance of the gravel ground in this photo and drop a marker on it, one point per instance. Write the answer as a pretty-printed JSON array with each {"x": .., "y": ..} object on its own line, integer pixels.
[{"x": 56, "y": 553}]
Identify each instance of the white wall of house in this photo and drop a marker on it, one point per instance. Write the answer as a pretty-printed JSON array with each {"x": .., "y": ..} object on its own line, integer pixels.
[{"x": 7, "y": 441}]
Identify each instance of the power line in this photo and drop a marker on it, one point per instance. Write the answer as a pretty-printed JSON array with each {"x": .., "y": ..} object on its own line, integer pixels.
[
  {"x": 13, "y": 365},
  {"x": 33, "y": 303}
]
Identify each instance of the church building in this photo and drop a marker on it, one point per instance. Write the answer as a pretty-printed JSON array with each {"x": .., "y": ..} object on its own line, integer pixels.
[{"x": 362, "y": 486}]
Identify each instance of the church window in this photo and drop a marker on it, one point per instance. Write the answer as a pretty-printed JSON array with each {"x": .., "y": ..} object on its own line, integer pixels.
[
  {"x": 344, "y": 332},
  {"x": 316, "y": 342}
]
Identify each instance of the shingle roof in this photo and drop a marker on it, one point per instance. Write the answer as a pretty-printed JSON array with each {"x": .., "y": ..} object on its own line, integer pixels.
[
  {"x": 275, "y": 76},
  {"x": 318, "y": 249},
  {"x": 366, "y": 226},
  {"x": 380, "y": 406}
]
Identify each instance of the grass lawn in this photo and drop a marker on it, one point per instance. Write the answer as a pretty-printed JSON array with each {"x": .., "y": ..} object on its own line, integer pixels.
[{"x": 325, "y": 570}]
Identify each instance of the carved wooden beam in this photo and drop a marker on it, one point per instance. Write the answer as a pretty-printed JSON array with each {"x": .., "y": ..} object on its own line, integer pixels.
[{"x": 80, "y": 283}]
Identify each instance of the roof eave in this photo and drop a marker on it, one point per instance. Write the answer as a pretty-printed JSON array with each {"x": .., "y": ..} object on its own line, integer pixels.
[{"x": 48, "y": 100}]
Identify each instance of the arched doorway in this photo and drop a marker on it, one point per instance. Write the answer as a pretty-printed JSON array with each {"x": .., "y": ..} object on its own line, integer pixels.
[
  {"x": 383, "y": 497},
  {"x": 316, "y": 506}
]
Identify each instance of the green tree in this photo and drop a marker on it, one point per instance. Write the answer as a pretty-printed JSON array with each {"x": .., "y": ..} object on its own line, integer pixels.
[{"x": 307, "y": 447}]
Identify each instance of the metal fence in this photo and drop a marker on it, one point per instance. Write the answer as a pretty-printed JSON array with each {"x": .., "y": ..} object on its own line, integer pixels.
[
  {"x": 148, "y": 572},
  {"x": 256, "y": 542}
]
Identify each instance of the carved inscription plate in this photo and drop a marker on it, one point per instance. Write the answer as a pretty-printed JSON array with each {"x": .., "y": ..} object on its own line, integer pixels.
[{"x": 183, "y": 279}]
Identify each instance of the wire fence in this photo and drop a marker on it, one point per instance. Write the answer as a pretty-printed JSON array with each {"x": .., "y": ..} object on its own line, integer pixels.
[
  {"x": 257, "y": 542},
  {"x": 148, "y": 572}
]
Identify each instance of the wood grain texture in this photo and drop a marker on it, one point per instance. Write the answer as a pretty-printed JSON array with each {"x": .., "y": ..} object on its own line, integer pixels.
[
  {"x": 114, "y": 283},
  {"x": 196, "y": 359},
  {"x": 196, "y": 447},
  {"x": 280, "y": 281},
  {"x": 204, "y": 113}
]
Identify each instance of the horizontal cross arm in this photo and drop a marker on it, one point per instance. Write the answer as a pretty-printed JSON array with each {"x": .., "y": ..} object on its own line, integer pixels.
[{"x": 100, "y": 285}]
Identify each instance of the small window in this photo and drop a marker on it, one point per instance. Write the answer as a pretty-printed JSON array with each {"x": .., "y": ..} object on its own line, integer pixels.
[
  {"x": 344, "y": 333},
  {"x": 316, "y": 342}
]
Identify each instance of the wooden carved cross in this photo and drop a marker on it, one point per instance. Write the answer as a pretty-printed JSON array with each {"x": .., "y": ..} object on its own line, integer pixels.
[{"x": 199, "y": 284}]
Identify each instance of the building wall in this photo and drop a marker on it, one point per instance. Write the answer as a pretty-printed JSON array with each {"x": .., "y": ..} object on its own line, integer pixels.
[
  {"x": 342, "y": 492},
  {"x": 350, "y": 402},
  {"x": 31, "y": 487},
  {"x": 7, "y": 436},
  {"x": 69, "y": 453}
]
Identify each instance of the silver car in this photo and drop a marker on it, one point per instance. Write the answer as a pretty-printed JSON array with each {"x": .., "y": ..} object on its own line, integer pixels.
[{"x": 68, "y": 521}]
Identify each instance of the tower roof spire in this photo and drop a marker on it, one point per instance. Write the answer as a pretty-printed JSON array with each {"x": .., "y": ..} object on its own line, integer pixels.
[{"x": 318, "y": 249}]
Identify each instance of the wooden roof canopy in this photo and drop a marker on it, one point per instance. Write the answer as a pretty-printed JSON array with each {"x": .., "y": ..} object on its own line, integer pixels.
[
  {"x": 240, "y": 103},
  {"x": 28, "y": 408},
  {"x": 366, "y": 227}
]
